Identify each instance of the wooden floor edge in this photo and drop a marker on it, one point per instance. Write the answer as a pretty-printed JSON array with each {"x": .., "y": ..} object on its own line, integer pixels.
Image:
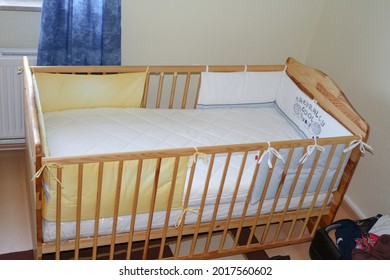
[{"x": 20, "y": 255}]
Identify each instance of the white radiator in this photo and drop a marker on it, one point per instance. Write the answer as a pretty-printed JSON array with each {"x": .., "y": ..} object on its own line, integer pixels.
[{"x": 11, "y": 90}]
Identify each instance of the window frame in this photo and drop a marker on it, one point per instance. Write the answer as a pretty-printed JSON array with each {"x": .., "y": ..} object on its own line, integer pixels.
[{"x": 21, "y": 5}]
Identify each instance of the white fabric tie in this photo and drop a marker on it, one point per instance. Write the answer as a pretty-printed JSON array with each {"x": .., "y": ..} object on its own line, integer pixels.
[
  {"x": 270, "y": 151},
  {"x": 47, "y": 166},
  {"x": 310, "y": 149},
  {"x": 362, "y": 146},
  {"x": 202, "y": 156},
  {"x": 179, "y": 219}
]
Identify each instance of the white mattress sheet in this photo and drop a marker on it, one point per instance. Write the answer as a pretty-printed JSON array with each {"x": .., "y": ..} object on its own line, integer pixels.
[{"x": 111, "y": 130}]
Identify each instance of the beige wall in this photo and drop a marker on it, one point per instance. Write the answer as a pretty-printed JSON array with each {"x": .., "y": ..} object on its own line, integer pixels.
[
  {"x": 196, "y": 31},
  {"x": 347, "y": 39},
  {"x": 19, "y": 29},
  {"x": 352, "y": 45},
  {"x": 217, "y": 31}
]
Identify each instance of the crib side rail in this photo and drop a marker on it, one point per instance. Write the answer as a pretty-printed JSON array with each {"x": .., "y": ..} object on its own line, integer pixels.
[
  {"x": 153, "y": 69},
  {"x": 33, "y": 159},
  {"x": 166, "y": 86},
  {"x": 270, "y": 225}
]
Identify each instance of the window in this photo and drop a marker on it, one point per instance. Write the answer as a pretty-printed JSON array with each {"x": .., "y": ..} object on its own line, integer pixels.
[{"x": 21, "y": 5}]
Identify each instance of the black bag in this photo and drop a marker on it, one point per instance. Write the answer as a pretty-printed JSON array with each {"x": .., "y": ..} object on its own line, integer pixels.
[{"x": 323, "y": 247}]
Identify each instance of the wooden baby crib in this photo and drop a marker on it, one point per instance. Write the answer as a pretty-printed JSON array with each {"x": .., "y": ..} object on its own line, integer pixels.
[{"x": 235, "y": 197}]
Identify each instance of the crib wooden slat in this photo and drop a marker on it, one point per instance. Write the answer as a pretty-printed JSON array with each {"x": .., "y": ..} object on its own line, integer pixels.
[
  {"x": 186, "y": 87},
  {"x": 247, "y": 201},
  {"x": 197, "y": 92},
  {"x": 146, "y": 90},
  {"x": 232, "y": 203},
  {"x": 187, "y": 195},
  {"x": 58, "y": 214},
  {"x": 78, "y": 214},
  {"x": 134, "y": 209},
  {"x": 160, "y": 87},
  {"x": 216, "y": 206},
  {"x": 185, "y": 208},
  {"x": 169, "y": 206},
  {"x": 202, "y": 204},
  {"x": 261, "y": 202},
  {"x": 173, "y": 90},
  {"x": 277, "y": 196},
  {"x": 97, "y": 209},
  {"x": 181, "y": 222},
  {"x": 151, "y": 209},
  {"x": 289, "y": 198},
  {"x": 116, "y": 209}
]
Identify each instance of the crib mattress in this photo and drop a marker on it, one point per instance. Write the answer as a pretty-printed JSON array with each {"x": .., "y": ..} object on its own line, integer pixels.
[{"x": 111, "y": 130}]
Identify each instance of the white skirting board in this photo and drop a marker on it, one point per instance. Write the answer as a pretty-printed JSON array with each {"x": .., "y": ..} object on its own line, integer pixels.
[{"x": 354, "y": 207}]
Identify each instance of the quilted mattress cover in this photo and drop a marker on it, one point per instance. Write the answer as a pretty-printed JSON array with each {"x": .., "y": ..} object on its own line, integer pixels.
[{"x": 112, "y": 130}]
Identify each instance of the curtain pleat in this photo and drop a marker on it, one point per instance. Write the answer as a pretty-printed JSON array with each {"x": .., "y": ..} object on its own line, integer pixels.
[{"x": 80, "y": 32}]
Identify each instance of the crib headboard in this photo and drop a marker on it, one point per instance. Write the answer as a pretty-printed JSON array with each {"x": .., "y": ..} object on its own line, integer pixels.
[{"x": 320, "y": 87}]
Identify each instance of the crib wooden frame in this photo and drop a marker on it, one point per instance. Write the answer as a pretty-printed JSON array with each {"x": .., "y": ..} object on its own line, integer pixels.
[{"x": 272, "y": 230}]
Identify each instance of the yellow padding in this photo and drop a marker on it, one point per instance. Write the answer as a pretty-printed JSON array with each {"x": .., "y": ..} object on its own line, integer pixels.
[
  {"x": 109, "y": 183},
  {"x": 59, "y": 92}
]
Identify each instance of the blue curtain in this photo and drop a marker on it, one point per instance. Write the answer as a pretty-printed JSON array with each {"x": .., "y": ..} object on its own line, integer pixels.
[{"x": 80, "y": 32}]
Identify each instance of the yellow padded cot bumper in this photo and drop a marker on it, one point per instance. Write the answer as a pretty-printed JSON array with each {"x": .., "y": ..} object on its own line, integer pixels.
[
  {"x": 90, "y": 178},
  {"x": 58, "y": 92}
]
